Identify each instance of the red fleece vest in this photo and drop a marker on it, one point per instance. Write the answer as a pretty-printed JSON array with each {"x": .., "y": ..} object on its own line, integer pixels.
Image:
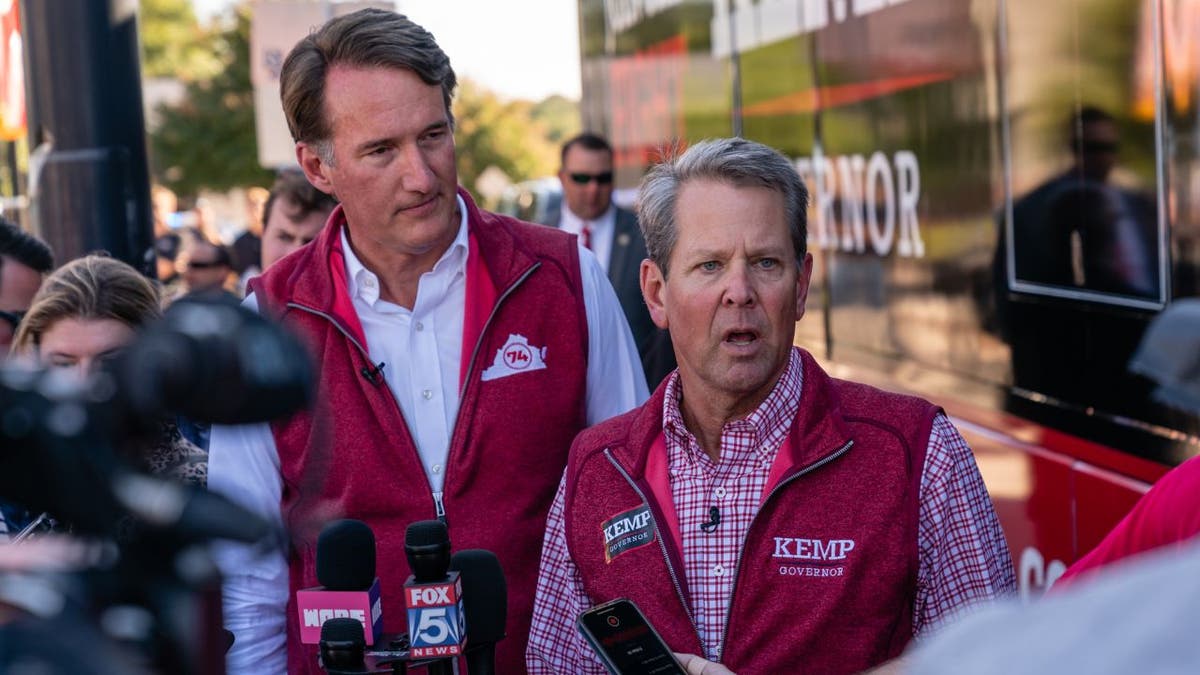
[
  {"x": 826, "y": 579},
  {"x": 353, "y": 455}
]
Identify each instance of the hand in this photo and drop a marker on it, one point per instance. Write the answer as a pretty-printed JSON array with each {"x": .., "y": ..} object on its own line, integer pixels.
[{"x": 694, "y": 665}]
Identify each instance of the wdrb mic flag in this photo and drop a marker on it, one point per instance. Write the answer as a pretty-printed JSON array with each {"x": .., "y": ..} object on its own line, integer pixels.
[
  {"x": 436, "y": 621},
  {"x": 317, "y": 605}
]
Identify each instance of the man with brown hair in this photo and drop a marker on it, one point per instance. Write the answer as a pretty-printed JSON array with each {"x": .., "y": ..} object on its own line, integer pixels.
[
  {"x": 294, "y": 215},
  {"x": 460, "y": 351}
]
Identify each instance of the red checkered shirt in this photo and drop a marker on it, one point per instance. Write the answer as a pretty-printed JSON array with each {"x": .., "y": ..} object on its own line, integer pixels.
[{"x": 963, "y": 555}]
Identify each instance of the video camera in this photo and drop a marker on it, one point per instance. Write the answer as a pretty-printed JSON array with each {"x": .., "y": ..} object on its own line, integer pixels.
[{"x": 135, "y": 589}]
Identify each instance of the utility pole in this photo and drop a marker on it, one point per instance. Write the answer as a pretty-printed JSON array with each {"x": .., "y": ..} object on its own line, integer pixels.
[{"x": 89, "y": 179}]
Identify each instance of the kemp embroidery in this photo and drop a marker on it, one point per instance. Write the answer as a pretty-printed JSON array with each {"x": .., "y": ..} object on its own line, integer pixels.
[
  {"x": 812, "y": 557},
  {"x": 627, "y": 531},
  {"x": 516, "y": 356}
]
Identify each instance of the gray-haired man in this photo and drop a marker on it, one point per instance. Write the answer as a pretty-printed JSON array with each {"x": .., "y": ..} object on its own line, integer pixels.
[{"x": 761, "y": 514}]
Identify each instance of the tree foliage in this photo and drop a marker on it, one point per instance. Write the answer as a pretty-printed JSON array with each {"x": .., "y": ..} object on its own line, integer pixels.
[
  {"x": 208, "y": 141},
  {"x": 173, "y": 42},
  {"x": 558, "y": 116},
  {"x": 518, "y": 137}
]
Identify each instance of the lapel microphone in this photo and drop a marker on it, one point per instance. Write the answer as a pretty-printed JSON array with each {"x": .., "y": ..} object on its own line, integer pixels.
[
  {"x": 714, "y": 519},
  {"x": 374, "y": 374}
]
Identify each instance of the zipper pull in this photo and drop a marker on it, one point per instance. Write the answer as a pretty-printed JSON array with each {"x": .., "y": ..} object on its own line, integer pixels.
[{"x": 439, "y": 508}]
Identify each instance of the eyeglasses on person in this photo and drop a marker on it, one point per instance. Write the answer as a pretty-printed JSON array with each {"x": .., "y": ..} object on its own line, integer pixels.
[{"x": 603, "y": 178}]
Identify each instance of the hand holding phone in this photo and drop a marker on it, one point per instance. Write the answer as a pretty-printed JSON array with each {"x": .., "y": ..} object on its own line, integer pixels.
[
  {"x": 626, "y": 643},
  {"x": 695, "y": 665}
]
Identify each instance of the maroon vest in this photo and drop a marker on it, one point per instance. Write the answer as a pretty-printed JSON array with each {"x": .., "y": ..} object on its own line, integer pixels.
[
  {"x": 826, "y": 579},
  {"x": 353, "y": 456}
]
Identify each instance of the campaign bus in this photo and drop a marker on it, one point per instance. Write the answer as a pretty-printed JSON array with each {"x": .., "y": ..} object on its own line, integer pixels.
[{"x": 1003, "y": 194}]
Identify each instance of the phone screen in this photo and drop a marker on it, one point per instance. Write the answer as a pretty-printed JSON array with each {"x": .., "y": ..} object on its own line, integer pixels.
[{"x": 626, "y": 641}]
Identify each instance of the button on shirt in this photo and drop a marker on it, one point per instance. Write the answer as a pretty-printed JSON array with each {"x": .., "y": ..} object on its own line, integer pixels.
[
  {"x": 733, "y": 485},
  {"x": 421, "y": 347},
  {"x": 600, "y": 237}
]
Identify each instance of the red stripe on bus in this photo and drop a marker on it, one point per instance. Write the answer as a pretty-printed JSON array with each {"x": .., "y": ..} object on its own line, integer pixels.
[{"x": 819, "y": 98}]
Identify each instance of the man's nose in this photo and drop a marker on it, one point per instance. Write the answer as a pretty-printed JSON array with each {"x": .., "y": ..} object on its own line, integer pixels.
[
  {"x": 739, "y": 287},
  {"x": 416, "y": 174}
]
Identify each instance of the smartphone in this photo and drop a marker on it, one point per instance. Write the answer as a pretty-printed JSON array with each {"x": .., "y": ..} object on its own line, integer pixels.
[{"x": 626, "y": 642}]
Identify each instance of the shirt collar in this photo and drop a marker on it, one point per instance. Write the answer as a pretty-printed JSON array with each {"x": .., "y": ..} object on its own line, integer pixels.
[
  {"x": 574, "y": 224},
  {"x": 769, "y": 423},
  {"x": 362, "y": 283}
]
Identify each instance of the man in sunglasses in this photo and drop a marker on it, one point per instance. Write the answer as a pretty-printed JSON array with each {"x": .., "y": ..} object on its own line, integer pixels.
[
  {"x": 208, "y": 268},
  {"x": 24, "y": 259},
  {"x": 611, "y": 233}
]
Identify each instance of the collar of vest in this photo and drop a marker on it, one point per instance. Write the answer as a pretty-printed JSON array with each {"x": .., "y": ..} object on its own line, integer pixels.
[
  {"x": 818, "y": 430},
  {"x": 314, "y": 276}
]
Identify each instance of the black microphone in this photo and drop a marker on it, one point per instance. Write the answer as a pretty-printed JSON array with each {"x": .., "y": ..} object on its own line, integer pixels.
[
  {"x": 433, "y": 598},
  {"x": 427, "y": 547},
  {"x": 342, "y": 646},
  {"x": 485, "y": 598},
  {"x": 349, "y": 587},
  {"x": 372, "y": 373},
  {"x": 714, "y": 519},
  {"x": 346, "y": 556}
]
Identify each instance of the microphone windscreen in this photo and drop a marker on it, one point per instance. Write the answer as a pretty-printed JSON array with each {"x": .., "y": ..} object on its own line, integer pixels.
[
  {"x": 426, "y": 533},
  {"x": 427, "y": 547},
  {"x": 485, "y": 594},
  {"x": 342, "y": 629},
  {"x": 346, "y": 556}
]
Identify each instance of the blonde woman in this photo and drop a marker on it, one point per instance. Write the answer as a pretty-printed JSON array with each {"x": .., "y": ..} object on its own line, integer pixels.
[{"x": 86, "y": 313}]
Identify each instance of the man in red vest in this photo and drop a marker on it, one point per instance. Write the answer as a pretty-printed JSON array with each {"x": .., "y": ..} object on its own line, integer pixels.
[
  {"x": 458, "y": 351},
  {"x": 760, "y": 513}
]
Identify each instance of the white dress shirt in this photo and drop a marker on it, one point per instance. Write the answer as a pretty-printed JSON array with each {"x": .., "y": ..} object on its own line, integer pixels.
[
  {"x": 600, "y": 237},
  {"x": 422, "y": 349}
]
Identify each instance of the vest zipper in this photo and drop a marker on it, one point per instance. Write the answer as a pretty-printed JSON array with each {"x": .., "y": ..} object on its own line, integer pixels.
[
  {"x": 439, "y": 509},
  {"x": 662, "y": 545},
  {"x": 362, "y": 350},
  {"x": 479, "y": 341},
  {"x": 462, "y": 394},
  {"x": 439, "y": 506},
  {"x": 737, "y": 566}
]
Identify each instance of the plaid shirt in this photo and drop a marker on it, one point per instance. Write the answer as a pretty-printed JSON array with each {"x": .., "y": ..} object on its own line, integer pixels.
[{"x": 963, "y": 554}]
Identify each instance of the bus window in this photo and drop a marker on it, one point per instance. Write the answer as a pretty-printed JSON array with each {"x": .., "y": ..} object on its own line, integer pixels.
[{"x": 1080, "y": 263}]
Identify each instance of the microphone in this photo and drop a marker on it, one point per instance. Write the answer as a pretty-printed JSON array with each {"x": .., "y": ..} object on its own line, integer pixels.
[
  {"x": 342, "y": 646},
  {"x": 714, "y": 519},
  {"x": 433, "y": 597},
  {"x": 349, "y": 587},
  {"x": 372, "y": 373},
  {"x": 486, "y": 602}
]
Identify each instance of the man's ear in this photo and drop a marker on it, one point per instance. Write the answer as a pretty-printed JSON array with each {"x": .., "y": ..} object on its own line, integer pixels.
[
  {"x": 315, "y": 168},
  {"x": 803, "y": 280},
  {"x": 654, "y": 290}
]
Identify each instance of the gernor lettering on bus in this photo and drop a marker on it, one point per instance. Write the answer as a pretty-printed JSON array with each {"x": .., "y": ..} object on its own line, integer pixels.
[{"x": 878, "y": 198}]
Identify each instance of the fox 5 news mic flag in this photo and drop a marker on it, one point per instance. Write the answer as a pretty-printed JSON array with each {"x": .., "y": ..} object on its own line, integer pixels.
[
  {"x": 436, "y": 620},
  {"x": 349, "y": 587}
]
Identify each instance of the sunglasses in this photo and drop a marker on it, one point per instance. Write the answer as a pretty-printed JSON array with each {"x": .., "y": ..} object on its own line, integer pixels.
[
  {"x": 12, "y": 318},
  {"x": 604, "y": 178},
  {"x": 198, "y": 265}
]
